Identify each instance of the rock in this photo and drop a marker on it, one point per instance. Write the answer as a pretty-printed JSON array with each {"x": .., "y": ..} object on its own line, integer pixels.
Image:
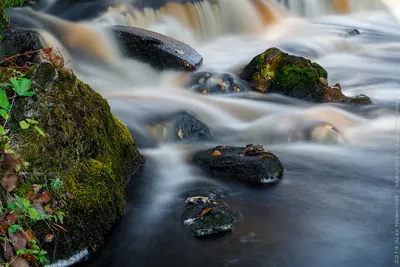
[
  {"x": 19, "y": 42},
  {"x": 277, "y": 72},
  {"x": 209, "y": 218},
  {"x": 187, "y": 127},
  {"x": 208, "y": 83},
  {"x": 84, "y": 145},
  {"x": 160, "y": 51},
  {"x": 257, "y": 166},
  {"x": 352, "y": 32}
]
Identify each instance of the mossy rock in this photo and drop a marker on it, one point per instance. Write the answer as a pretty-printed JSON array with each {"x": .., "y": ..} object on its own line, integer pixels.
[
  {"x": 277, "y": 72},
  {"x": 85, "y": 145}
]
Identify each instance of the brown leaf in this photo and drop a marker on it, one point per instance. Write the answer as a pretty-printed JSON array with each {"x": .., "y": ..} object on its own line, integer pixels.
[
  {"x": 31, "y": 195},
  {"x": 60, "y": 227},
  {"x": 3, "y": 228},
  {"x": 205, "y": 212},
  {"x": 266, "y": 156},
  {"x": 12, "y": 218},
  {"x": 8, "y": 251},
  {"x": 39, "y": 207},
  {"x": 18, "y": 239},
  {"x": 49, "y": 238},
  {"x": 205, "y": 92},
  {"x": 29, "y": 258},
  {"x": 10, "y": 162},
  {"x": 44, "y": 197},
  {"x": 19, "y": 262},
  {"x": 29, "y": 235},
  {"x": 10, "y": 181},
  {"x": 216, "y": 153},
  {"x": 70, "y": 196}
]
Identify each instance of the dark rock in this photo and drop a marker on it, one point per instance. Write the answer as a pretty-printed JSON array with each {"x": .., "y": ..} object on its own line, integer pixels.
[
  {"x": 19, "y": 42},
  {"x": 277, "y": 72},
  {"x": 248, "y": 165},
  {"x": 160, "y": 51},
  {"x": 209, "y": 218},
  {"x": 216, "y": 83},
  {"x": 188, "y": 127},
  {"x": 352, "y": 32}
]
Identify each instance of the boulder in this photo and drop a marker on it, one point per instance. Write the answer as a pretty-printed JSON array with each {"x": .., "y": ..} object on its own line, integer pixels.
[
  {"x": 187, "y": 127},
  {"x": 160, "y": 51},
  {"x": 208, "y": 83},
  {"x": 84, "y": 146},
  {"x": 277, "y": 72},
  {"x": 209, "y": 218},
  {"x": 19, "y": 42},
  {"x": 250, "y": 163}
]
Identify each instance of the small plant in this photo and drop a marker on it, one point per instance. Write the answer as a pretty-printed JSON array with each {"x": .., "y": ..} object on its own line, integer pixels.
[{"x": 34, "y": 252}]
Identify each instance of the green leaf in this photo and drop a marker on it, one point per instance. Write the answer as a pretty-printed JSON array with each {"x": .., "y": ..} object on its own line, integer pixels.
[
  {"x": 32, "y": 121},
  {"x": 4, "y": 103},
  {"x": 11, "y": 206},
  {"x": 4, "y": 114},
  {"x": 40, "y": 131},
  {"x": 21, "y": 86},
  {"x": 21, "y": 252},
  {"x": 34, "y": 214},
  {"x": 24, "y": 125},
  {"x": 14, "y": 228},
  {"x": 2, "y": 131}
]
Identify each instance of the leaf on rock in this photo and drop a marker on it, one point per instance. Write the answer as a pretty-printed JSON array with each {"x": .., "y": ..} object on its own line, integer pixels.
[
  {"x": 266, "y": 156},
  {"x": 216, "y": 153},
  {"x": 21, "y": 261},
  {"x": 49, "y": 238},
  {"x": 205, "y": 92},
  {"x": 12, "y": 218},
  {"x": 19, "y": 240},
  {"x": 29, "y": 235},
  {"x": 10, "y": 181},
  {"x": 205, "y": 212},
  {"x": 44, "y": 197},
  {"x": 24, "y": 125},
  {"x": 70, "y": 196},
  {"x": 8, "y": 251}
]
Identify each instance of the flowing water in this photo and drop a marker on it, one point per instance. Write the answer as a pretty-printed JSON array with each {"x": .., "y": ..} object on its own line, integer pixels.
[{"x": 336, "y": 203}]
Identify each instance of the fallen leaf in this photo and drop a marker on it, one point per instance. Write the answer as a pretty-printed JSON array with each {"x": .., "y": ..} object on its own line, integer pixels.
[
  {"x": 205, "y": 212},
  {"x": 49, "y": 238},
  {"x": 215, "y": 203},
  {"x": 12, "y": 218},
  {"x": 29, "y": 235},
  {"x": 204, "y": 92},
  {"x": 181, "y": 134},
  {"x": 3, "y": 228},
  {"x": 19, "y": 262},
  {"x": 18, "y": 239},
  {"x": 31, "y": 195},
  {"x": 266, "y": 156},
  {"x": 38, "y": 207},
  {"x": 60, "y": 227},
  {"x": 10, "y": 181},
  {"x": 36, "y": 188},
  {"x": 216, "y": 153},
  {"x": 44, "y": 197},
  {"x": 48, "y": 210},
  {"x": 8, "y": 251},
  {"x": 29, "y": 258}
]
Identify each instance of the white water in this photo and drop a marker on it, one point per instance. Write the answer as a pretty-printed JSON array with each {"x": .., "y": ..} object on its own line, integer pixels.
[{"x": 229, "y": 35}]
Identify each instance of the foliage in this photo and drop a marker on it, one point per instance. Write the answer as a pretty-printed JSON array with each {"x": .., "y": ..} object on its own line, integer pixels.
[{"x": 3, "y": 16}]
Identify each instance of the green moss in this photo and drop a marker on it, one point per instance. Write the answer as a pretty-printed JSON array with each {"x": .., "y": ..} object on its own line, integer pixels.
[
  {"x": 321, "y": 71},
  {"x": 3, "y": 15},
  {"x": 85, "y": 145}
]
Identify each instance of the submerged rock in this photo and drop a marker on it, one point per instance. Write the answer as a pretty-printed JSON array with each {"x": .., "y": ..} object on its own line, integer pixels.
[
  {"x": 277, "y": 72},
  {"x": 187, "y": 127},
  {"x": 160, "y": 51},
  {"x": 250, "y": 163},
  {"x": 209, "y": 218},
  {"x": 208, "y": 83},
  {"x": 84, "y": 145}
]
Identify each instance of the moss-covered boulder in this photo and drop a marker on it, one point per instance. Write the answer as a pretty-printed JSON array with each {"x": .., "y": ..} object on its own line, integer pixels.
[
  {"x": 277, "y": 72},
  {"x": 84, "y": 145}
]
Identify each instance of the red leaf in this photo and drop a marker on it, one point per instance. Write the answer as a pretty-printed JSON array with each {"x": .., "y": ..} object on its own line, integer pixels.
[
  {"x": 3, "y": 228},
  {"x": 44, "y": 197}
]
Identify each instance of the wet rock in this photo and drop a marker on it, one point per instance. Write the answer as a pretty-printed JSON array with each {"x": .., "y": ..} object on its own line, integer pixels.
[
  {"x": 216, "y": 83},
  {"x": 277, "y": 72},
  {"x": 250, "y": 163},
  {"x": 188, "y": 127},
  {"x": 351, "y": 32},
  {"x": 19, "y": 42},
  {"x": 209, "y": 218},
  {"x": 160, "y": 51}
]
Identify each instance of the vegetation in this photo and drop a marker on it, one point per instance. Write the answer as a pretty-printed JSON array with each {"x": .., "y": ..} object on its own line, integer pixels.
[{"x": 3, "y": 15}]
